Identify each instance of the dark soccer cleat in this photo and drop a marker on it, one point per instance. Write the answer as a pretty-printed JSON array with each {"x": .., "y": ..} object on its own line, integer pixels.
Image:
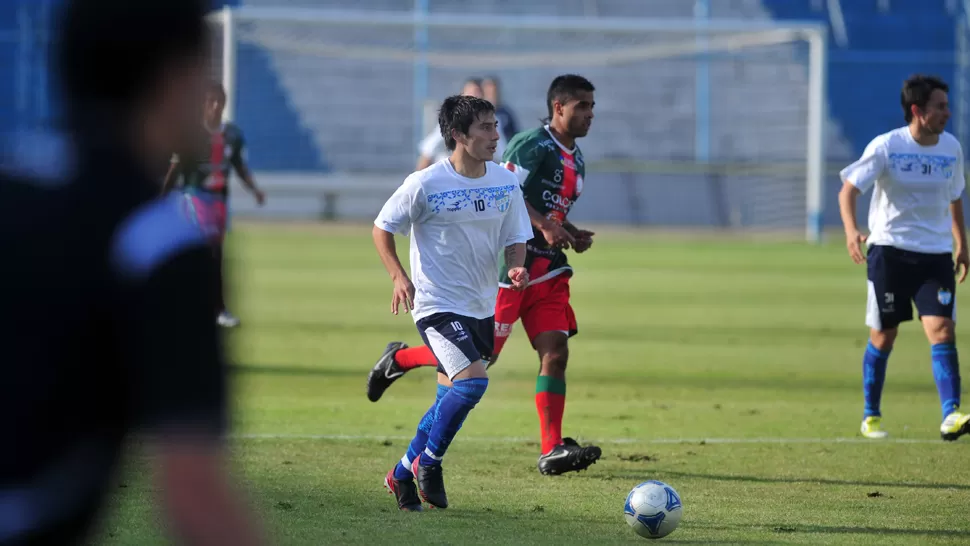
[
  {"x": 431, "y": 483},
  {"x": 568, "y": 457},
  {"x": 385, "y": 372},
  {"x": 404, "y": 491}
]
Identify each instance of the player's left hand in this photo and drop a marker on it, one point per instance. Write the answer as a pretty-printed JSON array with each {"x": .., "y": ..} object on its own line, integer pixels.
[
  {"x": 584, "y": 240},
  {"x": 519, "y": 277},
  {"x": 962, "y": 264},
  {"x": 260, "y": 197}
]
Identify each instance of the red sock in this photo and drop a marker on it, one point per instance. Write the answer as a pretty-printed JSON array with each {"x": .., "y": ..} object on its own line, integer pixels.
[
  {"x": 551, "y": 404},
  {"x": 415, "y": 357}
]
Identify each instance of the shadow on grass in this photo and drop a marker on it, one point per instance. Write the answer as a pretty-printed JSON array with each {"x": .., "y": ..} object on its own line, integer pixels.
[
  {"x": 819, "y": 481},
  {"x": 882, "y": 531},
  {"x": 791, "y": 529},
  {"x": 297, "y": 371},
  {"x": 793, "y": 383}
]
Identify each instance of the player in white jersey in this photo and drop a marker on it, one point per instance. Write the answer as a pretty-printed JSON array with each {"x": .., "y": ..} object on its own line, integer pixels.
[
  {"x": 460, "y": 212},
  {"x": 916, "y": 212}
]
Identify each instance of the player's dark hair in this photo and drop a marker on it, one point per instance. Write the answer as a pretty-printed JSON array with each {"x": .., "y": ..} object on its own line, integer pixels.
[
  {"x": 458, "y": 113},
  {"x": 565, "y": 88},
  {"x": 917, "y": 91},
  {"x": 111, "y": 54}
]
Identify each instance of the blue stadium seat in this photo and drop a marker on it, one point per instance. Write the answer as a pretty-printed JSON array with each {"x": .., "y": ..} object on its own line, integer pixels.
[{"x": 884, "y": 49}]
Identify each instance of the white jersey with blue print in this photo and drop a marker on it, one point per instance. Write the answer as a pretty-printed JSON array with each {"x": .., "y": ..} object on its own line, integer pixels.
[
  {"x": 913, "y": 188},
  {"x": 458, "y": 228}
]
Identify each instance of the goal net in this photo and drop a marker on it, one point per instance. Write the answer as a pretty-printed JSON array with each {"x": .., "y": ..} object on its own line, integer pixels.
[{"x": 719, "y": 124}]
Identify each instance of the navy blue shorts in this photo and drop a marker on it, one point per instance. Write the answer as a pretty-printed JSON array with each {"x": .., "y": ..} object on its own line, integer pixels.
[
  {"x": 900, "y": 278},
  {"x": 457, "y": 341}
]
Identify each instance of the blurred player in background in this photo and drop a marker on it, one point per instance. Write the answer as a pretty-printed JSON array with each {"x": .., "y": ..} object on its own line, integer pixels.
[
  {"x": 432, "y": 149},
  {"x": 507, "y": 124},
  {"x": 204, "y": 170},
  {"x": 460, "y": 214},
  {"x": 915, "y": 215},
  {"x": 104, "y": 328},
  {"x": 550, "y": 169}
]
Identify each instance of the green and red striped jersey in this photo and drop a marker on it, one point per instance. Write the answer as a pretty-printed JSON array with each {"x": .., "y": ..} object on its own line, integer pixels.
[{"x": 551, "y": 177}]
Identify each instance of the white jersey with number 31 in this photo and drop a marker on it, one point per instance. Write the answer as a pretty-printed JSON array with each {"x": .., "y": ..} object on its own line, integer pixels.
[{"x": 913, "y": 188}]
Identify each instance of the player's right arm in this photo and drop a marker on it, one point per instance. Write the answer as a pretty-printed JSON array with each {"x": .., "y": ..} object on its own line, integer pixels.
[
  {"x": 959, "y": 226},
  {"x": 857, "y": 179},
  {"x": 524, "y": 157},
  {"x": 171, "y": 177},
  {"x": 404, "y": 208},
  {"x": 164, "y": 311},
  {"x": 516, "y": 232}
]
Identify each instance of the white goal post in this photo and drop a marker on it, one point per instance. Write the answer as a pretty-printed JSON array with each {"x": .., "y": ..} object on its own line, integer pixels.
[{"x": 455, "y": 44}]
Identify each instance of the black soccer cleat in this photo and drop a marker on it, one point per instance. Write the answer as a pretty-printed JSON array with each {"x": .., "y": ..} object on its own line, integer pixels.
[
  {"x": 431, "y": 483},
  {"x": 385, "y": 372},
  {"x": 568, "y": 457},
  {"x": 404, "y": 491}
]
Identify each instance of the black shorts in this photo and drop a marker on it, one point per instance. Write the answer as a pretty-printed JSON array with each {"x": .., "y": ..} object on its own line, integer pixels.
[
  {"x": 900, "y": 278},
  {"x": 457, "y": 341}
]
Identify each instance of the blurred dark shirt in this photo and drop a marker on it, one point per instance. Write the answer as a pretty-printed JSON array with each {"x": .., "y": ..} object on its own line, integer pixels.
[
  {"x": 506, "y": 122},
  {"x": 105, "y": 327}
]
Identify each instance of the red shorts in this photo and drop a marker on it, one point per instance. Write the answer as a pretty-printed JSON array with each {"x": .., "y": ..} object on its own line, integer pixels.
[{"x": 543, "y": 307}]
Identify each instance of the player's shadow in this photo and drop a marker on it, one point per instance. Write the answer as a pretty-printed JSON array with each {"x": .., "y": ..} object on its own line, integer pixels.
[
  {"x": 726, "y": 334},
  {"x": 793, "y": 529},
  {"x": 481, "y": 519},
  {"x": 819, "y": 481},
  {"x": 321, "y": 328},
  {"x": 818, "y": 529},
  {"x": 293, "y": 371}
]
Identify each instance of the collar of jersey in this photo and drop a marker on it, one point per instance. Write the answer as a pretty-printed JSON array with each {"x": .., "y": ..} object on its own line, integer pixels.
[
  {"x": 451, "y": 169},
  {"x": 560, "y": 144}
]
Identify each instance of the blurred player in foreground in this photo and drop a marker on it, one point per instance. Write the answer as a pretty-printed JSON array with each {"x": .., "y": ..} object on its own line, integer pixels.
[
  {"x": 104, "y": 327},
  {"x": 460, "y": 212},
  {"x": 204, "y": 169},
  {"x": 550, "y": 169},
  {"x": 915, "y": 215},
  {"x": 432, "y": 149}
]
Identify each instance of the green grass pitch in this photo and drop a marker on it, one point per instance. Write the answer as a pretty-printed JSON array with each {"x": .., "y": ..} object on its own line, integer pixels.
[{"x": 754, "y": 346}]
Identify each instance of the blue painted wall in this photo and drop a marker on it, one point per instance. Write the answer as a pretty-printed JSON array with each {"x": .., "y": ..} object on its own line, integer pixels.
[
  {"x": 865, "y": 77},
  {"x": 26, "y": 100}
]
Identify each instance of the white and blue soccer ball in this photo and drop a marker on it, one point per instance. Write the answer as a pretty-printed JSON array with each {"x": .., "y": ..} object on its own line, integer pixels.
[{"x": 653, "y": 509}]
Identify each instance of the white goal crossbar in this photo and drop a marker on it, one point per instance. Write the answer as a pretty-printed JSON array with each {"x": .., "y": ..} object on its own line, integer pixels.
[{"x": 697, "y": 36}]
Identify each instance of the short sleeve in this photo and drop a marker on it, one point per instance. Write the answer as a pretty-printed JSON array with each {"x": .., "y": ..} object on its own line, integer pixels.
[
  {"x": 432, "y": 146},
  {"x": 516, "y": 226},
  {"x": 165, "y": 311},
  {"x": 864, "y": 172},
  {"x": 523, "y": 157},
  {"x": 405, "y": 208},
  {"x": 959, "y": 181}
]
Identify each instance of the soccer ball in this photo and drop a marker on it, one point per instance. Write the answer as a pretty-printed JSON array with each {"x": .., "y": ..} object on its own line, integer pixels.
[{"x": 653, "y": 509}]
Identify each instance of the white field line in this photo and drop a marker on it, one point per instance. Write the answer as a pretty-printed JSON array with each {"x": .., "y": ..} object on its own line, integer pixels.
[{"x": 512, "y": 439}]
